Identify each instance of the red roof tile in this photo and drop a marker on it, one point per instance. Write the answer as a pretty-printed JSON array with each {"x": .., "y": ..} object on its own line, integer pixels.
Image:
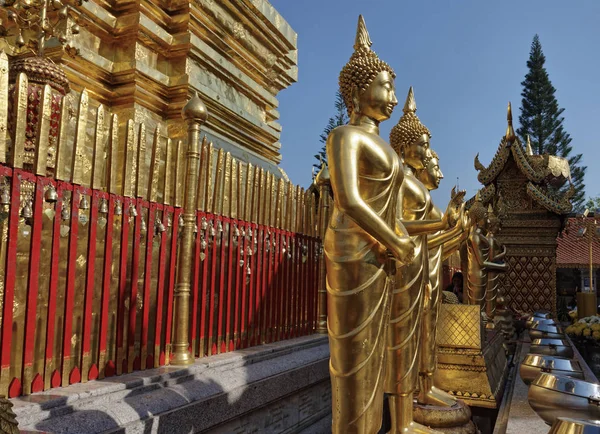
[{"x": 573, "y": 249}]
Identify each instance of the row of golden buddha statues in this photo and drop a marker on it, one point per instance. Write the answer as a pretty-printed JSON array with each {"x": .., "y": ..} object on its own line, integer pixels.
[{"x": 384, "y": 247}]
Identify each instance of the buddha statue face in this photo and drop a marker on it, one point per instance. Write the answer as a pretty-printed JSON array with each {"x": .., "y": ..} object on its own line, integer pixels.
[
  {"x": 431, "y": 175},
  {"x": 415, "y": 153},
  {"x": 378, "y": 100}
]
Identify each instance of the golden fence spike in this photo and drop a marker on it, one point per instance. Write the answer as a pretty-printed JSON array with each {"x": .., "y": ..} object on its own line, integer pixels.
[
  {"x": 248, "y": 192},
  {"x": 77, "y": 173},
  {"x": 61, "y": 141},
  {"x": 129, "y": 161},
  {"x": 233, "y": 192},
  {"x": 99, "y": 149},
  {"x": 273, "y": 201},
  {"x": 204, "y": 173},
  {"x": 3, "y": 105},
  {"x": 155, "y": 166},
  {"x": 240, "y": 188},
  {"x": 209, "y": 177},
  {"x": 254, "y": 213},
  {"x": 180, "y": 169},
  {"x": 142, "y": 169},
  {"x": 18, "y": 142},
  {"x": 169, "y": 174},
  {"x": 218, "y": 190},
  {"x": 43, "y": 133},
  {"x": 112, "y": 155},
  {"x": 299, "y": 209},
  {"x": 288, "y": 206},
  {"x": 226, "y": 196},
  {"x": 265, "y": 195},
  {"x": 279, "y": 207},
  {"x": 260, "y": 194}
]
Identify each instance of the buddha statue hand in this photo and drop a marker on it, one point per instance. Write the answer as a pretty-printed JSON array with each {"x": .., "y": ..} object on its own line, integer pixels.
[
  {"x": 453, "y": 210},
  {"x": 404, "y": 251}
]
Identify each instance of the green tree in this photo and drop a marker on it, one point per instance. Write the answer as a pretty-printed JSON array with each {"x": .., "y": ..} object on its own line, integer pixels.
[
  {"x": 340, "y": 118},
  {"x": 593, "y": 203},
  {"x": 541, "y": 118}
]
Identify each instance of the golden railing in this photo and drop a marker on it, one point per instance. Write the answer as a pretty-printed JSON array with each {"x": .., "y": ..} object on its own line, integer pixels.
[{"x": 123, "y": 249}]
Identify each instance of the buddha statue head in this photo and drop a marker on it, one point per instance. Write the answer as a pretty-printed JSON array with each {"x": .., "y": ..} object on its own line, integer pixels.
[
  {"x": 478, "y": 214},
  {"x": 410, "y": 138},
  {"x": 431, "y": 174},
  {"x": 367, "y": 82}
]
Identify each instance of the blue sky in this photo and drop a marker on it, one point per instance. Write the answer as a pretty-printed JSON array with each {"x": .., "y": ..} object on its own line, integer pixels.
[{"x": 466, "y": 59}]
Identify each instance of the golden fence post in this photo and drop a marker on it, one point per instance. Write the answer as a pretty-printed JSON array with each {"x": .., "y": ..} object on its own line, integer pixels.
[
  {"x": 195, "y": 113},
  {"x": 324, "y": 185}
]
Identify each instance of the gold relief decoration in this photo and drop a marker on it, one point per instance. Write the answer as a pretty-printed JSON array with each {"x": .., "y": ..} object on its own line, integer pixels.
[{"x": 459, "y": 326}]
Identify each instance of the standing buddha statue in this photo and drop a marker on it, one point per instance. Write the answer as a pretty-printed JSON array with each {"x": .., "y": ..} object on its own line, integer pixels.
[
  {"x": 430, "y": 176},
  {"x": 361, "y": 243},
  {"x": 410, "y": 138},
  {"x": 478, "y": 256},
  {"x": 497, "y": 253}
]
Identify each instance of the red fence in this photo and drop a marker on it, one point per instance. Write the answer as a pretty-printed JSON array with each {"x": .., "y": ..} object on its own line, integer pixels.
[{"x": 88, "y": 280}]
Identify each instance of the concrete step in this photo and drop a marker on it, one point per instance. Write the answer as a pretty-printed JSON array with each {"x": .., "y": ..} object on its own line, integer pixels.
[{"x": 216, "y": 393}]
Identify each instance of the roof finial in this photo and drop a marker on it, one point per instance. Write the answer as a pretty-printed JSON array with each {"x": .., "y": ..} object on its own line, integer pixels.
[
  {"x": 410, "y": 105},
  {"x": 529, "y": 150},
  {"x": 510, "y": 133},
  {"x": 362, "y": 35},
  {"x": 478, "y": 196}
]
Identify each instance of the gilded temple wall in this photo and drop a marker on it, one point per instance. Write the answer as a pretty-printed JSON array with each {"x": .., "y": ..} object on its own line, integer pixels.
[
  {"x": 529, "y": 233},
  {"x": 142, "y": 60}
]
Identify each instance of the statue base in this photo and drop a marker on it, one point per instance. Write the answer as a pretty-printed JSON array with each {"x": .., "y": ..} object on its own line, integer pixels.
[
  {"x": 472, "y": 363},
  {"x": 455, "y": 419}
]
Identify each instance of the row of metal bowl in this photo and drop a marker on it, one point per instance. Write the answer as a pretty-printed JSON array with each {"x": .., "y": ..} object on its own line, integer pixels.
[{"x": 558, "y": 392}]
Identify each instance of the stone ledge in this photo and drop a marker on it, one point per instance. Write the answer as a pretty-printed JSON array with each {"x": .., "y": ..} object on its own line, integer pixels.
[{"x": 211, "y": 392}]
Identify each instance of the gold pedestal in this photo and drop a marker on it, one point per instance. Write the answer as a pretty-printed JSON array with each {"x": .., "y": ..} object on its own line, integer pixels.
[
  {"x": 455, "y": 419},
  {"x": 471, "y": 363},
  {"x": 586, "y": 304}
]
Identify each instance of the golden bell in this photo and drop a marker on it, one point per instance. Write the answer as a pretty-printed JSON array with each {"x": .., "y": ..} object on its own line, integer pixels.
[
  {"x": 64, "y": 214},
  {"x": 181, "y": 220},
  {"x": 5, "y": 197},
  {"x": 169, "y": 222},
  {"x": 20, "y": 41},
  {"x": 143, "y": 227},
  {"x": 63, "y": 13},
  {"x": 133, "y": 211},
  {"x": 84, "y": 203},
  {"x": 159, "y": 226},
  {"x": 27, "y": 211},
  {"x": 103, "y": 207},
  {"x": 51, "y": 196},
  {"x": 118, "y": 208}
]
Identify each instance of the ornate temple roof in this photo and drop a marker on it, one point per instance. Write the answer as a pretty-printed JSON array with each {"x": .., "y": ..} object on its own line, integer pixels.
[
  {"x": 541, "y": 171},
  {"x": 573, "y": 250}
]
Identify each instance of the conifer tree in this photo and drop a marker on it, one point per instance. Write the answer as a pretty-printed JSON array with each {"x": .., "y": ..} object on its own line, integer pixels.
[
  {"x": 541, "y": 118},
  {"x": 340, "y": 118}
]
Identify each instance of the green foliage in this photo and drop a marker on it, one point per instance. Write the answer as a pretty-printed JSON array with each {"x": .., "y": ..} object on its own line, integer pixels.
[
  {"x": 541, "y": 118},
  {"x": 593, "y": 203},
  {"x": 340, "y": 118}
]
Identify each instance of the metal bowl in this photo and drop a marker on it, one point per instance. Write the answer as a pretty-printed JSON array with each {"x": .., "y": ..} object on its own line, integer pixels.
[
  {"x": 564, "y": 425},
  {"x": 533, "y": 364},
  {"x": 531, "y": 321},
  {"x": 552, "y": 347},
  {"x": 539, "y": 331},
  {"x": 544, "y": 314},
  {"x": 553, "y": 396}
]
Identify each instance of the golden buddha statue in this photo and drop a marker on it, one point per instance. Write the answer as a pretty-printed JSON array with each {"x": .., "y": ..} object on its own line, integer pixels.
[
  {"x": 430, "y": 176},
  {"x": 478, "y": 256},
  {"x": 410, "y": 138},
  {"x": 361, "y": 243},
  {"x": 497, "y": 253}
]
